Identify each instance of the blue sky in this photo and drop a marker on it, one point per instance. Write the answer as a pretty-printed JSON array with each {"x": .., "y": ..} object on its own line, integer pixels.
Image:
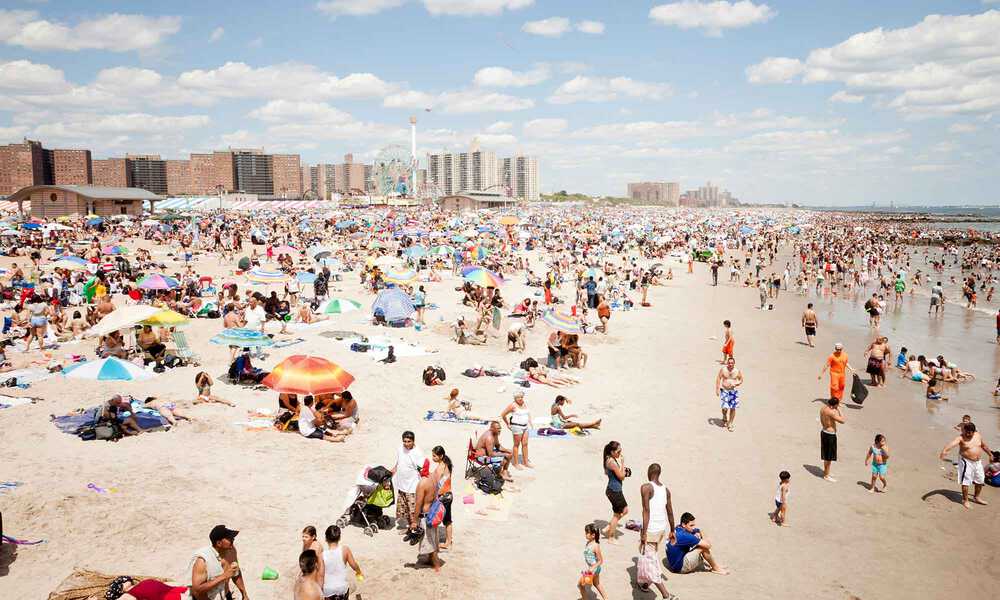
[{"x": 816, "y": 102}]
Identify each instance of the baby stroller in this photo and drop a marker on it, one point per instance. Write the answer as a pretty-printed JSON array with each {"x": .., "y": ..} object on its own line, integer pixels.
[{"x": 365, "y": 502}]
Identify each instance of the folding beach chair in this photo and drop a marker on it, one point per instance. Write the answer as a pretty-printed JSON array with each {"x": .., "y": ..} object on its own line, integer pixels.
[
  {"x": 471, "y": 460},
  {"x": 183, "y": 350}
]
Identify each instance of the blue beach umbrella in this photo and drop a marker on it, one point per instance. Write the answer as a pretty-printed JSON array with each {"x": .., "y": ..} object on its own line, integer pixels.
[
  {"x": 107, "y": 369},
  {"x": 242, "y": 338},
  {"x": 394, "y": 304}
]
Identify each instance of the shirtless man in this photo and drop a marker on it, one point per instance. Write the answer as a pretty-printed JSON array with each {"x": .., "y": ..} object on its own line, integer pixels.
[
  {"x": 726, "y": 382},
  {"x": 429, "y": 542},
  {"x": 970, "y": 466},
  {"x": 306, "y": 586},
  {"x": 829, "y": 416},
  {"x": 490, "y": 452},
  {"x": 104, "y": 306},
  {"x": 810, "y": 322}
]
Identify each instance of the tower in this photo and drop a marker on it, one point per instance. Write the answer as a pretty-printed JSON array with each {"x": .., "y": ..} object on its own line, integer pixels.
[{"x": 413, "y": 156}]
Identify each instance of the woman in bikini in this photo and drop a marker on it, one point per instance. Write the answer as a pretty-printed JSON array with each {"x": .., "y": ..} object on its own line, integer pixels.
[{"x": 561, "y": 420}]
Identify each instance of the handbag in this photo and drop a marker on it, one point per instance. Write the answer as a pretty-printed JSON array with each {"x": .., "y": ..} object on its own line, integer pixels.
[
  {"x": 435, "y": 514},
  {"x": 646, "y": 568}
]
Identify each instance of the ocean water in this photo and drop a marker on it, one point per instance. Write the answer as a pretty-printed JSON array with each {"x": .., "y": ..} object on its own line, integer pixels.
[{"x": 985, "y": 226}]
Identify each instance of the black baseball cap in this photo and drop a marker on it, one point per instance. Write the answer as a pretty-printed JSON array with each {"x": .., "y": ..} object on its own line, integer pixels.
[{"x": 221, "y": 532}]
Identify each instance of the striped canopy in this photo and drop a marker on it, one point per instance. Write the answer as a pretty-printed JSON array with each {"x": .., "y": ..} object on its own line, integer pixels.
[
  {"x": 336, "y": 306},
  {"x": 158, "y": 281},
  {"x": 404, "y": 276},
  {"x": 482, "y": 277},
  {"x": 562, "y": 322},
  {"x": 262, "y": 275},
  {"x": 394, "y": 304}
]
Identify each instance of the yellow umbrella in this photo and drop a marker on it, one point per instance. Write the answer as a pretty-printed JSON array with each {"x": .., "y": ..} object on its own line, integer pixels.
[
  {"x": 166, "y": 318},
  {"x": 509, "y": 220}
]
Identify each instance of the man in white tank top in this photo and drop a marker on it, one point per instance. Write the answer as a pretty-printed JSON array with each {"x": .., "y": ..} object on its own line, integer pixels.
[{"x": 657, "y": 514}]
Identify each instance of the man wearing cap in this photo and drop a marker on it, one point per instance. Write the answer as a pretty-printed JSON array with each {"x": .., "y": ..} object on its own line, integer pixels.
[
  {"x": 213, "y": 566},
  {"x": 838, "y": 366}
]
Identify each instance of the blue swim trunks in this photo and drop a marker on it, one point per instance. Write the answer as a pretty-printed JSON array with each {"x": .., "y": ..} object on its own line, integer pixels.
[
  {"x": 881, "y": 469},
  {"x": 729, "y": 398}
]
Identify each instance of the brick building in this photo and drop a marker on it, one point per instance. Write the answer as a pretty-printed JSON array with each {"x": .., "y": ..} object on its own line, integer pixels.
[
  {"x": 69, "y": 167},
  {"x": 287, "y": 174},
  {"x": 21, "y": 165},
  {"x": 179, "y": 182}
]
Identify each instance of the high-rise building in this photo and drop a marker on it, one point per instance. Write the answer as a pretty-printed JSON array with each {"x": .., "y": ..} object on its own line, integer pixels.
[
  {"x": 287, "y": 175},
  {"x": 179, "y": 181},
  {"x": 212, "y": 173},
  {"x": 667, "y": 193},
  {"x": 111, "y": 172},
  {"x": 254, "y": 172},
  {"x": 21, "y": 165},
  {"x": 69, "y": 167},
  {"x": 351, "y": 178},
  {"x": 305, "y": 179},
  {"x": 147, "y": 171},
  {"x": 474, "y": 171}
]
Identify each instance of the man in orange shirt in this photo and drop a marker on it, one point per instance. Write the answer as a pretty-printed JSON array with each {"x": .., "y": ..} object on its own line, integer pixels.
[{"x": 838, "y": 366}]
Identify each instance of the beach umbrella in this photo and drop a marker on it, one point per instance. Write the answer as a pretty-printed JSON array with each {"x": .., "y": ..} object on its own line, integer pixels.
[
  {"x": 562, "y": 322},
  {"x": 441, "y": 251},
  {"x": 345, "y": 224},
  {"x": 123, "y": 318},
  {"x": 593, "y": 272},
  {"x": 114, "y": 249},
  {"x": 30, "y": 226},
  {"x": 166, "y": 318},
  {"x": 394, "y": 304},
  {"x": 107, "y": 369},
  {"x": 416, "y": 251},
  {"x": 459, "y": 239},
  {"x": 404, "y": 276},
  {"x": 10, "y": 233},
  {"x": 242, "y": 338},
  {"x": 482, "y": 277},
  {"x": 262, "y": 275},
  {"x": 67, "y": 262},
  {"x": 328, "y": 262},
  {"x": 308, "y": 375},
  {"x": 157, "y": 281},
  {"x": 509, "y": 220},
  {"x": 318, "y": 252},
  {"x": 336, "y": 306},
  {"x": 375, "y": 244},
  {"x": 305, "y": 277}
]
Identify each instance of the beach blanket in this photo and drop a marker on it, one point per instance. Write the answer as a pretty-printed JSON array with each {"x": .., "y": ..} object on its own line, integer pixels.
[
  {"x": 378, "y": 347},
  {"x": 450, "y": 417},
  {"x": 286, "y": 343},
  {"x": 8, "y": 485},
  {"x": 80, "y": 423},
  {"x": 11, "y": 401},
  {"x": 556, "y": 434},
  {"x": 26, "y": 376},
  {"x": 17, "y": 542},
  {"x": 84, "y": 584}
]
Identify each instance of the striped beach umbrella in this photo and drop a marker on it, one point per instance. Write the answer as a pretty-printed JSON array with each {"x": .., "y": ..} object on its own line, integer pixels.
[
  {"x": 69, "y": 265},
  {"x": 107, "y": 369},
  {"x": 562, "y": 322},
  {"x": 262, "y": 275},
  {"x": 157, "y": 281},
  {"x": 305, "y": 277},
  {"x": 482, "y": 277},
  {"x": 242, "y": 338},
  {"x": 404, "y": 276},
  {"x": 115, "y": 249},
  {"x": 394, "y": 304},
  {"x": 308, "y": 375},
  {"x": 509, "y": 220},
  {"x": 441, "y": 251},
  {"x": 336, "y": 306}
]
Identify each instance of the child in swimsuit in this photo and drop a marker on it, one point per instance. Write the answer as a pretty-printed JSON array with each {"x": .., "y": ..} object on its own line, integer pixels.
[
  {"x": 878, "y": 454},
  {"x": 594, "y": 559}
]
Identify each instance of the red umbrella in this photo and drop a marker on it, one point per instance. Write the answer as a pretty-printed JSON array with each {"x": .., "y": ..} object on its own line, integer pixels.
[{"x": 308, "y": 375}]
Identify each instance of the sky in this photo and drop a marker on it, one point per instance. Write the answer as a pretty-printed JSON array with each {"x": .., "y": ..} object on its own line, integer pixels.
[{"x": 816, "y": 102}]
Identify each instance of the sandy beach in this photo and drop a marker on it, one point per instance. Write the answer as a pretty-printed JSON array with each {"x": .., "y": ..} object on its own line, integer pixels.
[{"x": 650, "y": 379}]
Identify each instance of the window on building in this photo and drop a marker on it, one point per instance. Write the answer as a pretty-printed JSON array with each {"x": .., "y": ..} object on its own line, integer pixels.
[{"x": 53, "y": 197}]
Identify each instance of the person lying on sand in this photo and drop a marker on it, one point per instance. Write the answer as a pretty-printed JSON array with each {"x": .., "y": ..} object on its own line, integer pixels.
[
  {"x": 543, "y": 375},
  {"x": 167, "y": 409}
]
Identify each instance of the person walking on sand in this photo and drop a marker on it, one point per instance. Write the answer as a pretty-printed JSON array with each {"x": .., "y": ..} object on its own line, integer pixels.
[
  {"x": 594, "y": 559},
  {"x": 213, "y": 567},
  {"x": 780, "y": 516},
  {"x": 306, "y": 586},
  {"x": 878, "y": 455},
  {"x": 728, "y": 341},
  {"x": 829, "y": 416},
  {"x": 810, "y": 322},
  {"x": 406, "y": 476},
  {"x": 970, "y": 465},
  {"x": 616, "y": 471},
  {"x": 657, "y": 521},
  {"x": 838, "y": 366},
  {"x": 726, "y": 382}
]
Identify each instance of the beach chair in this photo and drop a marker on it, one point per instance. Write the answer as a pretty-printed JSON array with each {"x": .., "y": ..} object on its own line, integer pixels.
[
  {"x": 183, "y": 350},
  {"x": 471, "y": 460}
]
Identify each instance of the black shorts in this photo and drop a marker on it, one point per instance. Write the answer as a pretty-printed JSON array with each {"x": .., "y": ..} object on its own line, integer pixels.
[
  {"x": 447, "y": 514},
  {"x": 810, "y": 330},
  {"x": 827, "y": 446},
  {"x": 317, "y": 434},
  {"x": 617, "y": 499}
]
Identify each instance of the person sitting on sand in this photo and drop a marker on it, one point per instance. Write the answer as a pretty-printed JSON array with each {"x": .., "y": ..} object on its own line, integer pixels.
[
  {"x": 690, "y": 551},
  {"x": 311, "y": 425},
  {"x": 243, "y": 371},
  {"x": 459, "y": 408},
  {"x": 561, "y": 420},
  {"x": 515, "y": 336},
  {"x": 112, "y": 345},
  {"x": 346, "y": 418},
  {"x": 203, "y": 382},
  {"x": 113, "y": 409},
  {"x": 167, "y": 409},
  {"x": 575, "y": 356},
  {"x": 430, "y": 376}
]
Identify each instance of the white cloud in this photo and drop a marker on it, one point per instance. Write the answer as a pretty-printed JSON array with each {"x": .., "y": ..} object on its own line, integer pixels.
[
  {"x": 712, "y": 17},
  {"x": 409, "y": 99},
  {"x": 492, "y": 140},
  {"x": 257, "y": 42},
  {"x": 216, "y": 35},
  {"x": 277, "y": 111},
  {"x": 599, "y": 89},
  {"x": 114, "y": 32},
  {"x": 930, "y": 168},
  {"x": 962, "y": 127},
  {"x": 943, "y": 65},
  {"x": 499, "y": 127},
  {"x": 764, "y": 118},
  {"x": 591, "y": 27},
  {"x": 774, "y": 70},
  {"x": 356, "y": 8},
  {"x": 504, "y": 77},
  {"x": 23, "y": 76},
  {"x": 86, "y": 126},
  {"x": 846, "y": 98},
  {"x": 474, "y": 7},
  {"x": 551, "y": 27},
  {"x": 240, "y": 80},
  {"x": 639, "y": 131},
  {"x": 545, "y": 128},
  {"x": 475, "y": 101}
]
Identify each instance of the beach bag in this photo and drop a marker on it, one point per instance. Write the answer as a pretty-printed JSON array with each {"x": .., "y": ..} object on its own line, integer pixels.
[
  {"x": 435, "y": 514},
  {"x": 488, "y": 481},
  {"x": 645, "y": 572},
  {"x": 858, "y": 390},
  {"x": 105, "y": 431},
  {"x": 356, "y": 347},
  {"x": 440, "y": 373}
]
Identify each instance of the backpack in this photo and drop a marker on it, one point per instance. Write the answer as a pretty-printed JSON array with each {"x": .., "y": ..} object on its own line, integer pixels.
[
  {"x": 488, "y": 482},
  {"x": 435, "y": 515}
]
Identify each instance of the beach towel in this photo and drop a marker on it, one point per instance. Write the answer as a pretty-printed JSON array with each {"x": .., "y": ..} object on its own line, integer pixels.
[
  {"x": 8, "y": 485},
  {"x": 286, "y": 343},
  {"x": 450, "y": 417},
  {"x": 11, "y": 401}
]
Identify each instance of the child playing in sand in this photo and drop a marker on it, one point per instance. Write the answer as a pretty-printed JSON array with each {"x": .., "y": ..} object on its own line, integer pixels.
[
  {"x": 878, "y": 454},
  {"x": 594, "y": 558},
  {"x": 781, "y": 498}
]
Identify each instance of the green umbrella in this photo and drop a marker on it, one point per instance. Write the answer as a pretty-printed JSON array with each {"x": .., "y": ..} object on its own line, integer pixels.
[{"x": 336, "y": 306}]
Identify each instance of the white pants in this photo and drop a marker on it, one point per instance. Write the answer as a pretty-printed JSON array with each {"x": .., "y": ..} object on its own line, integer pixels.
[{"x": 970, "y": 472}]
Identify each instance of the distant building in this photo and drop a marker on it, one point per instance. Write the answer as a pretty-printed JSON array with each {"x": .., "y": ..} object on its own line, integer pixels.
[
  {"x": 50, "y": 201},
  {"x": 351, "y": 178},
  {"x": 253, "y": 172},
  {"x": 148, "y": 172},
  {"x": 519, "y": 174},
  {"x": 29, "y": 163},
  {"x": 179, "y": 181},
  {"x": 287, "y": 175},
  {"x": 476, "y": 201},
  {"x": 69, "y": 167},
  {"x": 666, "y": 193},
  {"x": 111, "y": 172},
  {"x": 708, "y": 195},
  {"x": 476, "y": 170}
]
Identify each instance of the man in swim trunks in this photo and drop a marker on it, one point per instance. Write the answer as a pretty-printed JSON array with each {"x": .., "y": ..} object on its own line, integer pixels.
[
  {"x": 937, "y": 299},
  {"x": 829, "y": 416},
  {"x": 810, "y": 322},
  {"x": 490, "y": 452},
  {"x": 728, "y": 341},
  {"x": 726, "y": 382},
  {"x": 970, "y": 465},
  {"x": 838, "y": 366}
]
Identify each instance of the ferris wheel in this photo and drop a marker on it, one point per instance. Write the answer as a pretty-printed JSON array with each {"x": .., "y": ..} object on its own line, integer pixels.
[{"x": 391, "y": 172}]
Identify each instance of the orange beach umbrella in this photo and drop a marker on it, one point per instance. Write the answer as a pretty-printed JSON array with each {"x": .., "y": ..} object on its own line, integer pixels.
[{"x": 308, "y": 375}]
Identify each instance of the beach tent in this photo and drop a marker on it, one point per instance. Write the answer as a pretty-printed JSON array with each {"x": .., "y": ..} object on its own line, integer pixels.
[{"x": 394, "y": 304}]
